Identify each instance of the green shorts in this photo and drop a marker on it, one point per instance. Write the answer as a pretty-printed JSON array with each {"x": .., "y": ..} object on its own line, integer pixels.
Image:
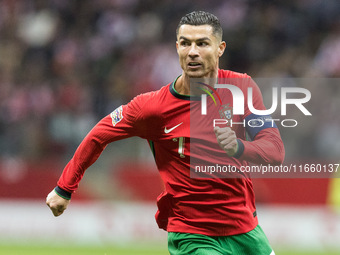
[{"x": 254, "y": 242}]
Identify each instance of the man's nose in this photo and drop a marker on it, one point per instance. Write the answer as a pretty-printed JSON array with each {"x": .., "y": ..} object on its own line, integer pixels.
[{"x": 193, "y": 52}]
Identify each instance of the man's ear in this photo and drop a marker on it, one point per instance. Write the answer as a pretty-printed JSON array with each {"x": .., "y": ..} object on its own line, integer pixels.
[
  {"x": 221, "y": 48},
  {"x": 177, "y": 46}
]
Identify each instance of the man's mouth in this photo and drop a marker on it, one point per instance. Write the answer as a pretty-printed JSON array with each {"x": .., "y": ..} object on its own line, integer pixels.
[{"x": 194, "y": 64}]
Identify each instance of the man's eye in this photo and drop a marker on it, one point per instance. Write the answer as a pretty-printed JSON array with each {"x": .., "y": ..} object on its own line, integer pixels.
[
  {"x": 202, "y": 44},
  {"x": 184, "y": 43}
]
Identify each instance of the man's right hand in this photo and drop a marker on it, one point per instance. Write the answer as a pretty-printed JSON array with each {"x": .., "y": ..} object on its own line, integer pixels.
[{"x": 56, "y": 203}]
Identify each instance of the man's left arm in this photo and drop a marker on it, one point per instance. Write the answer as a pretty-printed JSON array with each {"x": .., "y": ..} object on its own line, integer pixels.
[{"x": 266, "y": 148}]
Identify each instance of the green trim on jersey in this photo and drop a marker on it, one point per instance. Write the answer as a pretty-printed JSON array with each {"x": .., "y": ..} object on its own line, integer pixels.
[
  {"x": 152, "y": 147},
  {"x": 173, "y": 87},
  {"x": 254, "y": 242},
  {"x": 60, "y": 195},
  {"x": 174, "y": 92}
]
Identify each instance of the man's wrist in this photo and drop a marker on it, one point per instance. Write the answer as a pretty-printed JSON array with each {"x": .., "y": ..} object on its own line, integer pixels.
[
  {"x": 240, "y": 149},
  {"x": 63, "y": 193}
]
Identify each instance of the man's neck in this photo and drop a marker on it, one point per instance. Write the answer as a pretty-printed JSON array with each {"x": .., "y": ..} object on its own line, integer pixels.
[{"x": 182, "y": 85}]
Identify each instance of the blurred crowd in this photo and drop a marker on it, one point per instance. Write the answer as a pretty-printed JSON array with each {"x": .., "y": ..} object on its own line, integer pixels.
[{"x": 64, "y": 64}]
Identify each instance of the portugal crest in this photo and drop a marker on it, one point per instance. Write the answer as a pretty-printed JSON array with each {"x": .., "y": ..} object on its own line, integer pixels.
[{"x": 226, "y": 112}]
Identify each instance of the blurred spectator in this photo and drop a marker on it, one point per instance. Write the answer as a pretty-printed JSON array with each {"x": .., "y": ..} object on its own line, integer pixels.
[
  {"x": 65, "y": 64},
  {"x": 327, "y": 60}
]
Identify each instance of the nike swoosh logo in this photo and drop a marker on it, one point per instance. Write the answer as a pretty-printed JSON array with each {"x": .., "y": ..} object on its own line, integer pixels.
[{"x": 167, "y": 131}]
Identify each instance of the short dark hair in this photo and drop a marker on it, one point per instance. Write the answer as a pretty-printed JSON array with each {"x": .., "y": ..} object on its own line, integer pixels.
[{"x": 198, "y": 18}]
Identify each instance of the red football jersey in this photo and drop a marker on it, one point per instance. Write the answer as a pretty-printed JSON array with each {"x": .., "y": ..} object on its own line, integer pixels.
[{"x": 202, "y": 205}]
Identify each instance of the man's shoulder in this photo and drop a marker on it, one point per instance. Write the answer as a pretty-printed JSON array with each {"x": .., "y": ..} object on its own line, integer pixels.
[
  {"x": 145, "y": 105},
  {"x": 152, "y": 95},
  {"x": 149, "y": 101},
  {"x": 231, "y": 74}
]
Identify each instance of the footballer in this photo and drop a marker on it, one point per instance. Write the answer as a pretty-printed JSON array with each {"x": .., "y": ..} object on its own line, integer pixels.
[{"x": 212, "y": 216}]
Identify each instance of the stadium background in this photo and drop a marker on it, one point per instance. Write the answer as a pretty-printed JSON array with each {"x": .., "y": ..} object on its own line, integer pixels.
[{"x": 66, "y": 64}]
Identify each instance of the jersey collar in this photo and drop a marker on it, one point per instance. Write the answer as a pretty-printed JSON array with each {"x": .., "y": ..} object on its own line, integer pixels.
[{"x": 174, "y": 92}]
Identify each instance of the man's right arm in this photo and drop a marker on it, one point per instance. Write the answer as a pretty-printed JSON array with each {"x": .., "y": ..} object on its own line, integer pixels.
[
  {"x": 116, "y": 126},
  {"x": 86, "y": 154}
]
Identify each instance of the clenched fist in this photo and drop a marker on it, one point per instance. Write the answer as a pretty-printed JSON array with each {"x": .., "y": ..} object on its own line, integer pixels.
[
  {"x": 56, "y": 203},
  {"x": 227, "y": 140}
]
